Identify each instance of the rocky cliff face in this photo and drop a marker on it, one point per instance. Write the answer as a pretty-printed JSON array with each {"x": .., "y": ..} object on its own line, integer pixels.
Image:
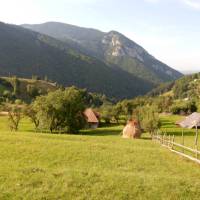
[{"x": 115, "y": 45}]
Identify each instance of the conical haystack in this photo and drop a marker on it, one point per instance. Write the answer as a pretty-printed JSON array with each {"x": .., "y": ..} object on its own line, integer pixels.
[{"x": 132, "y": 130}]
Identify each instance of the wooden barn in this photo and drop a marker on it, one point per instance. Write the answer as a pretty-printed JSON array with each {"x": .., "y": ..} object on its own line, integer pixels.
[
  {"x": 191, "y": 121},
  {"x": 92, "y": 118}
]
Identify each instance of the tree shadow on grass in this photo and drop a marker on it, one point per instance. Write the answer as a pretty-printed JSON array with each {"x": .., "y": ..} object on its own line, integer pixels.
[
  {"x": 146, "y": 138},
  {"x": 102, "y": 132}
]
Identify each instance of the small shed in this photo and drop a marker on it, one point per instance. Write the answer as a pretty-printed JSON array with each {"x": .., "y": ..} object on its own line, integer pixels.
[
  {"x": 190, "y": 121},
  {"x": 92, "y": 118},
  {"x": 132, "y": 129}
]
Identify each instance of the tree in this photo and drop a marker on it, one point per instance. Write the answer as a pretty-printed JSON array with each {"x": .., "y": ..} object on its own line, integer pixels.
[
  {"x": 30, "y": 112},
  {"x": 149, "y": 119},
  {"x": 73, "y": 108},
  {"x": 61, "y": 110},
  {"x": 163, "y": 103},
  {"x": 14, "y": 116},
  {"x": 47, "y": 109},
  {"x": 106, "y": 113},
  {"x": 117, "y": 111},
  {"x": 185, "y": 107}
]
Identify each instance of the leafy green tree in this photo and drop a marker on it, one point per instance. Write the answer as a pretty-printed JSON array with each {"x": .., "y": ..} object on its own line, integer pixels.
[
  {"x": 117, "y": 112},
  {"x": 148, "y": 118},
  {"x": 184, "y": 107},
  {"x": 163, "y": 103},
  {"x": 61, "y": 110},
  {"x": 47, "y": 108},
  {"x": 106, "y": 112},
  {"x": 30, "y": 112},
  {"x": 72, "y": 110}
]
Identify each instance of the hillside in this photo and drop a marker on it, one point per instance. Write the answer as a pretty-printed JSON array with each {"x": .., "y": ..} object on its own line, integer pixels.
[
  {"x": 25, "y": 53},
  {"x": 186, "y": 87},
  {"x": 26, "y": 90},
  {"x": 112, "y": 48}
]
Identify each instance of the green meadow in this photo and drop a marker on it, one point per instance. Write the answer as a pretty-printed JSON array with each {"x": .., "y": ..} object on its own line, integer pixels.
[{"x": 96, "y": 164}]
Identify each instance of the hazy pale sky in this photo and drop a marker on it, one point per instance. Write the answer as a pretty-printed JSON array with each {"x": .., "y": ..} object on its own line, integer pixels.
[{"x": 168, "y": 29}]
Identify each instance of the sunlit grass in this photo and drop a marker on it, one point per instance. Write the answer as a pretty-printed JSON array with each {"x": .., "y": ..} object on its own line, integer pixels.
[{"x": 96, "y": 164}]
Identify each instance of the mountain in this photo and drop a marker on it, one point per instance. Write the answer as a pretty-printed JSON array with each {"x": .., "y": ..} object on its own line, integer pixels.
[
  {"x": 112, "y": 48},
  {"x": 25, "y": 53}
]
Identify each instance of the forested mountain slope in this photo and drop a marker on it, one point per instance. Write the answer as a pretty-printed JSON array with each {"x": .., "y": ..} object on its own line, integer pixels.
[{"x": 25, "y": 53}]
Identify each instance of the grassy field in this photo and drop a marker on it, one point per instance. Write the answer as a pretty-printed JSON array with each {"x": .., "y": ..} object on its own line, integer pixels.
[{"x": 96, "y": 164}]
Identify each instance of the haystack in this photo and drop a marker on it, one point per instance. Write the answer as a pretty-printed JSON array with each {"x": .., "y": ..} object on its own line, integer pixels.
[{"x": 132, "y": 129}]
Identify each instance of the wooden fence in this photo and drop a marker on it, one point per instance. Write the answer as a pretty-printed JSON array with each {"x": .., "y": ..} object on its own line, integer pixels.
[{"x": 168, "y": 141}]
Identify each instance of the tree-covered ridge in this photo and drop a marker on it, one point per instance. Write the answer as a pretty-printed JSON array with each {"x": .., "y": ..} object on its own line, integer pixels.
[
  {"x": 187, "y": 87},
  {"x": 13, "y": 88},
  {"x": 24, "y": 53}
]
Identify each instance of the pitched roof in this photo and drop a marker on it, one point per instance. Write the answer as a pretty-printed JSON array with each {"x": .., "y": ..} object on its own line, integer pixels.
[
  {"x": 191, "y": 121},
  {"x": 90, "y": 115}
]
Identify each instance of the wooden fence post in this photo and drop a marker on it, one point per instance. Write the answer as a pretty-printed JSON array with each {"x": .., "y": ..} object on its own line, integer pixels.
[
  {"x": 196, "y": 142},
  {"x": 183, "y": 140},
  {"x": 173, "y": 139},
  {"x": 157, "y": 135},
  {"x": 169, "y": 140}
]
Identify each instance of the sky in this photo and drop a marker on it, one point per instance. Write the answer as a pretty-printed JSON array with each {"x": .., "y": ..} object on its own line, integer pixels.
[{"x": 167, "y": 29}]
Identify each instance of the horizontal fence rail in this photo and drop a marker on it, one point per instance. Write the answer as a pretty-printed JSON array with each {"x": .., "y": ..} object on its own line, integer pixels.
[{"x": 168, "y": 141}]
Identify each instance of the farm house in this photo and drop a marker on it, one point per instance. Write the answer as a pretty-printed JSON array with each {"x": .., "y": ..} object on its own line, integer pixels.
[
  {"x": 92, "y": 118},
  {"x": 190, "y": 121}
]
